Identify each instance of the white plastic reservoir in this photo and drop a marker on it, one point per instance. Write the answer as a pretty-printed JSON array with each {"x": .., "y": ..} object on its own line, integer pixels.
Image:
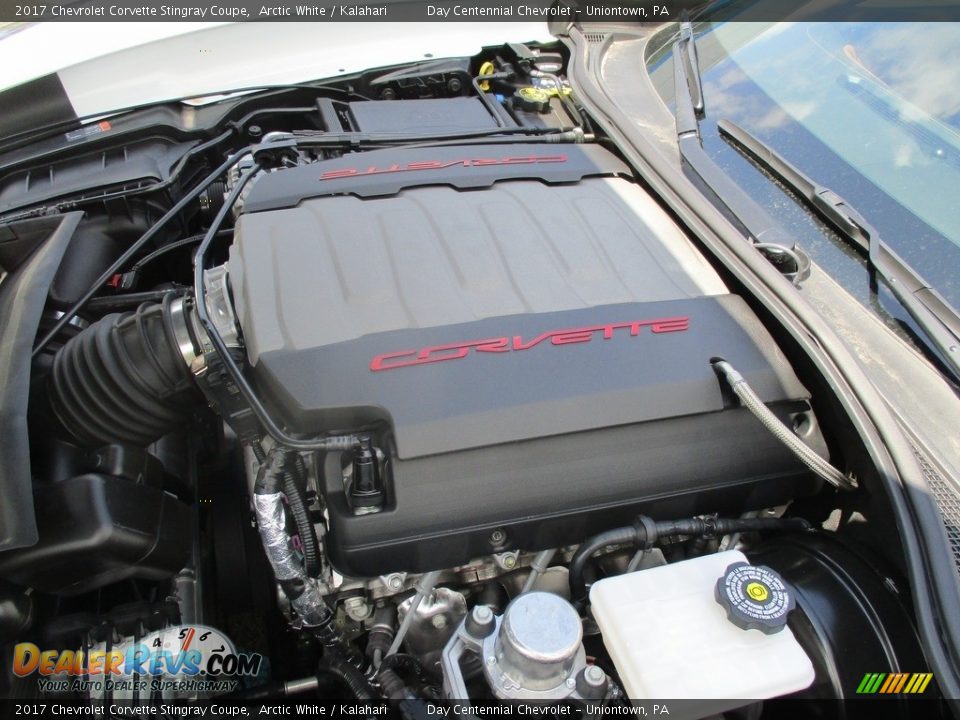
[{"x": 670, "y": 639}]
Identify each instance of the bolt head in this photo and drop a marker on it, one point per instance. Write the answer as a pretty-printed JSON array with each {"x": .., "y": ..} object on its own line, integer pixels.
[
  {"x": 592, "y": 683},
  {"x": 393, "y": 582},
  {"x": 439, "y": 621},
  {"x": 594, "y": 675},
  {"x": 481, "y": 622},
  {"x": 482, "y": 614}
]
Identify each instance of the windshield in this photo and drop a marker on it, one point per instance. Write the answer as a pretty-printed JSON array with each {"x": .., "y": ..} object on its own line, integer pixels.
[{"x": 867, "y": 109}]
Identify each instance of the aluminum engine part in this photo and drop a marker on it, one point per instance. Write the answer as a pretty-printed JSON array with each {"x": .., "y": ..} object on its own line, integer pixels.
[
  {"x": 478, "y": 571},
  {"x": 435, "y": 620},
  {"x": 534, "y": 651}
]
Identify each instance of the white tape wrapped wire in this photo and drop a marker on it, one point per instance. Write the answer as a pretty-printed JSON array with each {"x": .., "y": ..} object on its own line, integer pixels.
[{"x": 271, "y": 520}]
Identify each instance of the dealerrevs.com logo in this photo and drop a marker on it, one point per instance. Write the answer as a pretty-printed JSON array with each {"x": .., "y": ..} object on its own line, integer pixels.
[{"x": 178, "y": 661}]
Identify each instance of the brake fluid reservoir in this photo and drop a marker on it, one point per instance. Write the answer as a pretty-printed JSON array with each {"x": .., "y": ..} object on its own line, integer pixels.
[{"x": 711, "y": 629}]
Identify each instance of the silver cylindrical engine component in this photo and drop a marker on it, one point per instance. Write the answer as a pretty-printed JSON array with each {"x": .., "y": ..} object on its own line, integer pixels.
[
  {"x": 539, "y": 640},
  {"x": 534, "y": 651}
]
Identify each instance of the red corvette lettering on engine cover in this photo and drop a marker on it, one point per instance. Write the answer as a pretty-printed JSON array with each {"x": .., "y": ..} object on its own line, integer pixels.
[
  {"x": 567, "y": 336},
  {"x": 439, "y": 165}
]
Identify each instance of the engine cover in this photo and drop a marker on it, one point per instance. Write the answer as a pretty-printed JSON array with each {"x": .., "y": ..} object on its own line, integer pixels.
[{"x": 533, "y": 329}]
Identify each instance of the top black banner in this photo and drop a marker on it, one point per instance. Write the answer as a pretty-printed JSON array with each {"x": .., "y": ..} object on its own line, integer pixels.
[{"x": 556, "y": 11}]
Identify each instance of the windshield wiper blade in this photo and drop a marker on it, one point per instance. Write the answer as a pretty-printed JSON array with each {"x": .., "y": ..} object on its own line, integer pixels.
[{"x": 935, "y": 316}]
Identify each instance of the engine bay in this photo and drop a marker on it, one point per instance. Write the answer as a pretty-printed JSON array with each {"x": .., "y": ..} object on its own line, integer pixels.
[{"x": 408, "y": 383}]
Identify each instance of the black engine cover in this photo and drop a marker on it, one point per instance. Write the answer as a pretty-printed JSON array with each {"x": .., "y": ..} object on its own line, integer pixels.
[
  {"x": 551, "y": 427},
  {"x": 527, "y": 333}
]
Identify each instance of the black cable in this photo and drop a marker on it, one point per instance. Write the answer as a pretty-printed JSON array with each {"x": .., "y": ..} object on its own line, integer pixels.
[
  {"x": 373, "y": 140},
  {"x": 131, "y": 252},
  {"x": 169, "y": 247},
  {"x": 294, "y": 475},
  {"x": 126, "y": 301},
  {"x": 645, "y": 532},
  {"x": 335, "y": 442},
  {"x": 485, "y": 99},
  {"x": 555, "y": 136}
]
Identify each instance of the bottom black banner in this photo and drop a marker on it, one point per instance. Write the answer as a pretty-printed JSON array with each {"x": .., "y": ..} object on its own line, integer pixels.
[{"x": 872, "y": 709}]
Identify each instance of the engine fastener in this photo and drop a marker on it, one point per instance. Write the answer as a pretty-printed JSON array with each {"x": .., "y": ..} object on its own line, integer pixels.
[{"x": 481, "y": 622}]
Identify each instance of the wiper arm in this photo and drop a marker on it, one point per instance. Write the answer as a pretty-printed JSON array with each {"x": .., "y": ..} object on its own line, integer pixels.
[
  {"x": 938, "y": 320},
  {"x": 687, "y": 76},
  {"x": 767, "y": 234}
]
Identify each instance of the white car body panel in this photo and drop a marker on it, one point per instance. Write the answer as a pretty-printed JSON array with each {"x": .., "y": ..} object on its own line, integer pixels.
[{"x": 111, "y": 65}]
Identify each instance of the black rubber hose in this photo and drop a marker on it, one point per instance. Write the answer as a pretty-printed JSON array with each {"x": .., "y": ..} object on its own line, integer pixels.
[
  {"x": 709, "y": 527},
  {"x": 589, "y": 547},
  {"x": 123, "y": 379},
  {"x": 335, "y": 664},
  {"x": 645, "y": 532}
]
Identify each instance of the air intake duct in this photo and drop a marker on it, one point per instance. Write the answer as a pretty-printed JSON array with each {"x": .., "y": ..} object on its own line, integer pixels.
[{"x": 125, "y": 379}]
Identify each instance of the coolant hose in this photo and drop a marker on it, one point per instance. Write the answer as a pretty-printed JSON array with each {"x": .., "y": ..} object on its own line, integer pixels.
[
  {"x": 124, "y": 379},
  {"x": 590, "y": 547},
  {"x": 645, "y": 532},
  {"x": 752, "y": 402}
]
